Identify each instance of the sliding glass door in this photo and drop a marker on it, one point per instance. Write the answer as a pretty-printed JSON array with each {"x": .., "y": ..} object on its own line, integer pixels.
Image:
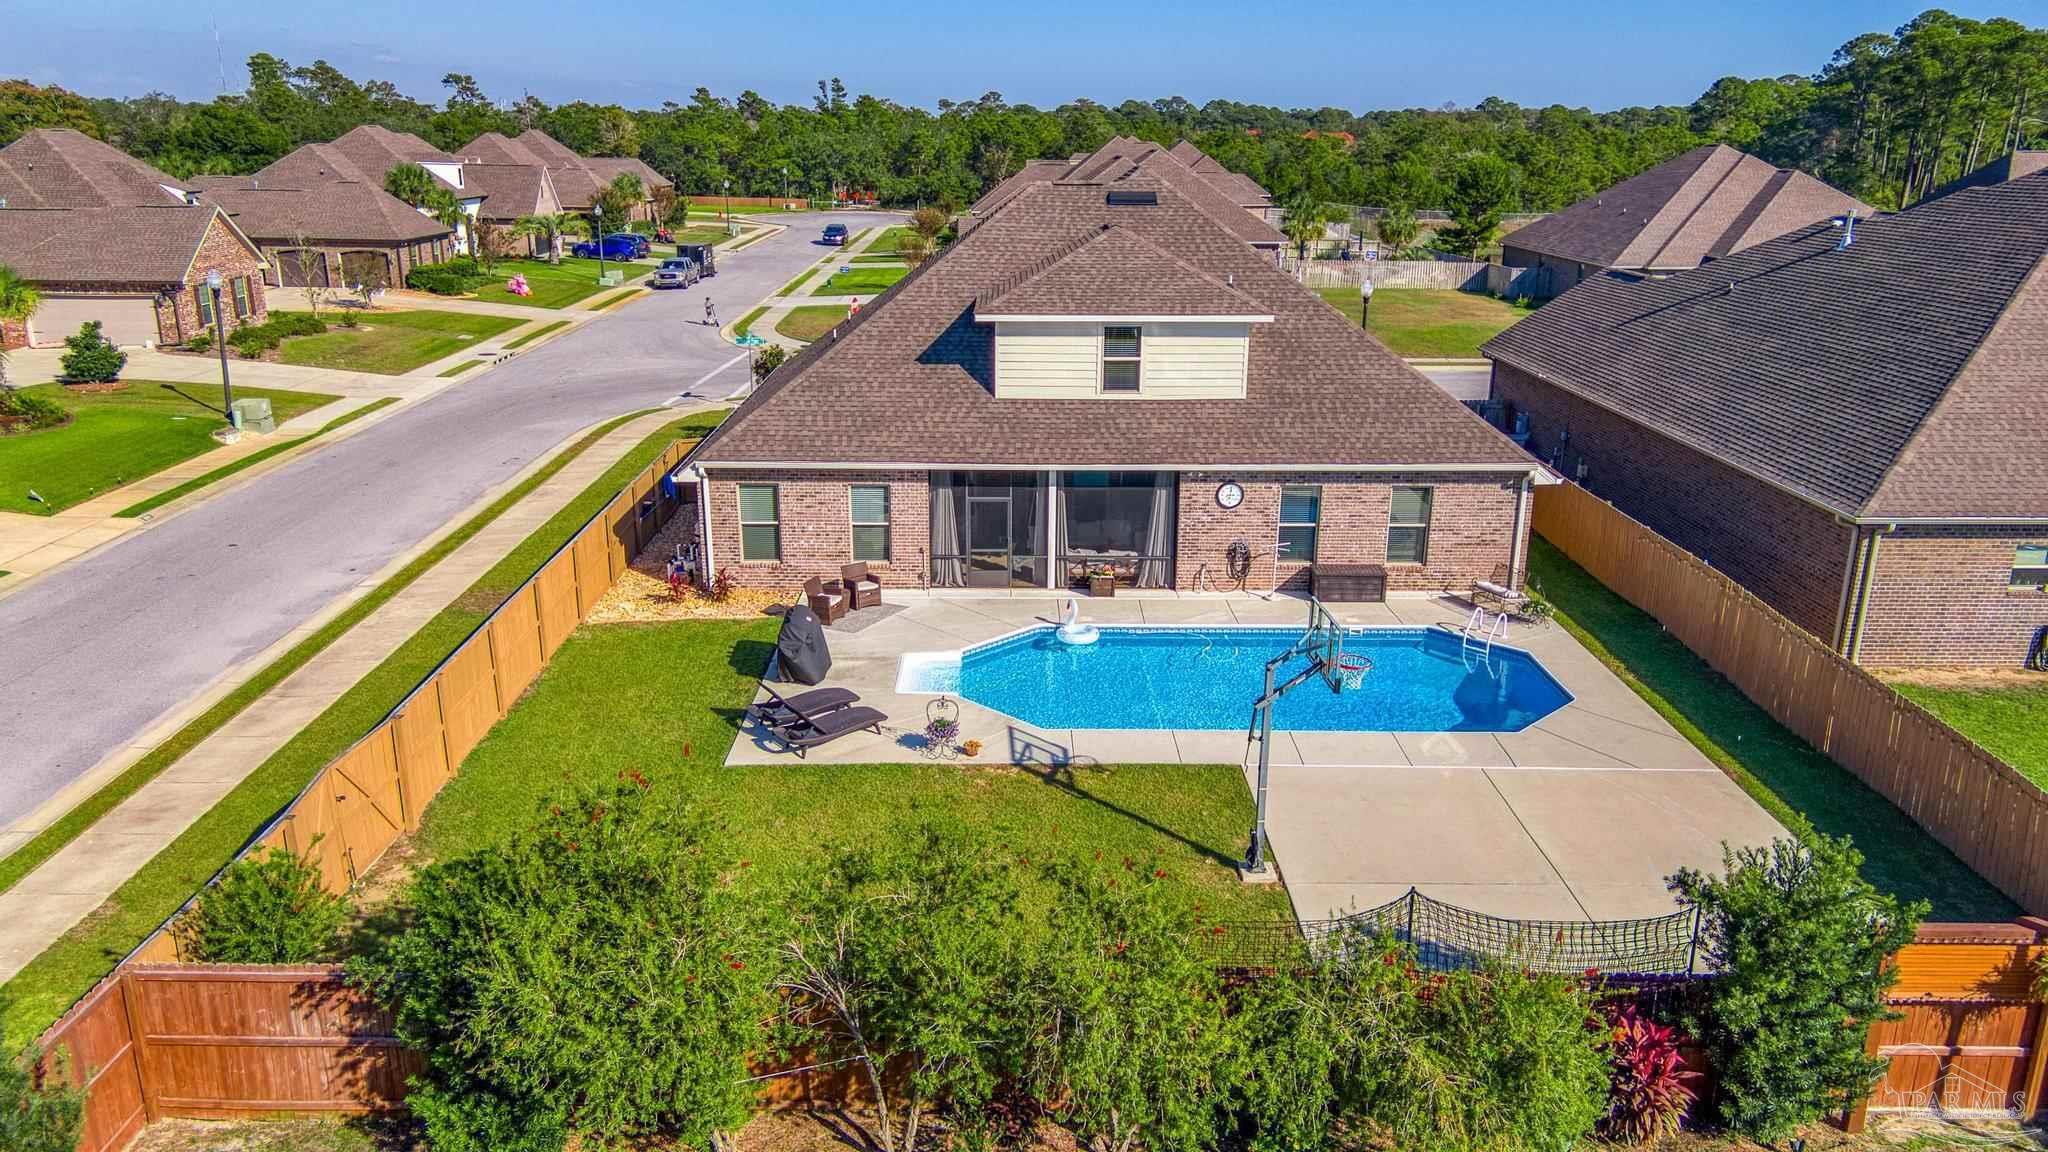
[
  {"x": 988, "y": 530},
  {"x": 1119, "y": 523}
]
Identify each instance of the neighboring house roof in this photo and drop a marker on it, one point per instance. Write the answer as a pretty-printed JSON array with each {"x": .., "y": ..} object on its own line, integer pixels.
[
  {"x": 909, "y": 380},
  {"x": 1031, "y": 173},
  {"x": 1247, "y": 190},
  {"x": 1902, "y": 376},
  {"x": 343, "y": 211},
  {"x": 1125, "y": 157},
  {"x": 1114, "y": 271},
  {"x": 65, "y": 168},
  {"x": 362, "y": 155},
  {"x": 2010, "y": 166},
  {"x": 609, "y": 168},
  {"x": 577, "y": 179},
  {"x": 1699, "y": 206},
  {"x": 510, "y": 191},
  {"x": 127, "y": 245}
]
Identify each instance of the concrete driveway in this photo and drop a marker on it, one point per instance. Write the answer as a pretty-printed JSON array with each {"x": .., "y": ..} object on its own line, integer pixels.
[{"x": 94, "y": 653}]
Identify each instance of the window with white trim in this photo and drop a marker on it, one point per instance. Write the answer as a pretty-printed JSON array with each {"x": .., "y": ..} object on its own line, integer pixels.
[
  {"x": 870, "y": 521},
  {"x": 204, "y": 296},
  {"x": 1120, "y": 346},
  {"x": 760, "y": 522},
  {"x": 241, "y": 297},
  {"x": 1408, "y": 526},
  {"x": 1300, "y": 509},
  {"x": 2030, "y": 567}
]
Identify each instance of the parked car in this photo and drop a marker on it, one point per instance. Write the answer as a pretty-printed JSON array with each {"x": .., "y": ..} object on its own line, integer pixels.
[
  {"x": 679, "y": 272},
  {"x": 639, "y": 242},
  {"x": 703, "y": 254},
  {"x": 615, "y": 248},
  {"x": 835, "y": 235}
]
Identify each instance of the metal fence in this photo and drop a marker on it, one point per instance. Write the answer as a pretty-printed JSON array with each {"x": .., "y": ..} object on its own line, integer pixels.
[{"x": 1446, "y": 937}]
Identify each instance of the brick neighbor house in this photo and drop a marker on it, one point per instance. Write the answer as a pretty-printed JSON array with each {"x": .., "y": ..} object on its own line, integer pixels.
[
  {"x": 1703, "y": 205},
  {"x": 1103, "y": 374},
  {"x": 363, "y": 157},
  {"x": 105, "y": 237},
  {"x": 1849, "y": 425},
  {"x": 331, "y": 235},
  {"x": 575, "y": 179}
]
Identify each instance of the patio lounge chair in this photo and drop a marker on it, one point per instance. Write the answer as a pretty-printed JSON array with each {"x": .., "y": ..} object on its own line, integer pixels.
[
  {"x": 1503, "y": 590},
  {"x": 812, "y": 728},
  {"x": 828, "y": 602},
  {"x": 865, "y": 590},
  {"x": 778, "y": 710}
]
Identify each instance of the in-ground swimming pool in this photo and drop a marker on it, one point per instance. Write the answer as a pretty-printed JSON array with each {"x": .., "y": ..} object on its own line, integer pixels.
[{"x": 1422, "y": 680}]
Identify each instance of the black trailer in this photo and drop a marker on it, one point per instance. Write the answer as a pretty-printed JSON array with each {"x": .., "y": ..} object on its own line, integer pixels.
[{"x": 702, "y": 254}]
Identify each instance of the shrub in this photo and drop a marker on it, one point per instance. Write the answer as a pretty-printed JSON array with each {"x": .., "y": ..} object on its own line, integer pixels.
[
  {"x": 448, "y": 278},
  {"x": 200, "y": 343},
  {"x": 1648, "y": 1085},
  {"x": 39, "y": 1111},
  {"x": 1801, "y": 944},
  {"x": 22, "y": 412},
  {"x": 914, "y": 955},
  {"x": 269, "y": 908},
  {"x": 350, "y": 321},
  {"x": 89, "y": 358},
  {"x": 596, "y": 978},
  {"x": 253, "y": 340},
  {"x": 767, "y": 360}
]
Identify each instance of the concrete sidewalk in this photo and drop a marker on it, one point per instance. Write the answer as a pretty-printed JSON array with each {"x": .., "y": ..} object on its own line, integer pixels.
[
  {"x": 776, "y": 307},
  {"x": 86, "y": 872}
]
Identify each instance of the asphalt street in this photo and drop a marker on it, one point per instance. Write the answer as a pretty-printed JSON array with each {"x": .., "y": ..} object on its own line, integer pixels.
[{"x": 93, "y": 654}]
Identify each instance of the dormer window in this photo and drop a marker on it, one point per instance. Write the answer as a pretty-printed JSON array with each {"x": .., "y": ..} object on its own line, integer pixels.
[{"x": 1120, "y": 343}]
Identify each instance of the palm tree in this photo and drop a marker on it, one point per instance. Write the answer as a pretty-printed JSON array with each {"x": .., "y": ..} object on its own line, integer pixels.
[
  {"x": 17, "y": 303},
  {"x": 1305, "y": 219},
  {"x": 442, "y": 205},
  {"x": 410, "y": 183},
  {"x": 550, "y": 227}
]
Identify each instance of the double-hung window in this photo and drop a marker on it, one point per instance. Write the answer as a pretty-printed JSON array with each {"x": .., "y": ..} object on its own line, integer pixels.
[
  {"x": 2030, "y": 567},
  {"x": 1300, "y": 509},
  {"x": 1408, "y": 526},
  {"x": 204, "y": 295},
  {"x": 1120, "y": 358},
  {"x": 241, "y": 297},
  {"x": 760, "y": 522},
  {"x": 870, "y": 521}
]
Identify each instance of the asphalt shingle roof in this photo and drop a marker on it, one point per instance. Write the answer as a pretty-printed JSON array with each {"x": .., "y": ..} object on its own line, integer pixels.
[
  {"x": 341, "y": 211},
  {"x": 1703, "y": 204},
  {"x": 65, "y": 168},
  {"x": 129, "y": 245},
  {"x": 1114, "y": 271},
  {"x": 510, "y": 191},
  {"x": 909, "y": 380},
  {"x": 362, "y": 155},
  {"x": 1904, "y": 375}
]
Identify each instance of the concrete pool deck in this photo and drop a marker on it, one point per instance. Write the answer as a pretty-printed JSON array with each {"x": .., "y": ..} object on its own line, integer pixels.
[{"x": 1580, "y": 816}]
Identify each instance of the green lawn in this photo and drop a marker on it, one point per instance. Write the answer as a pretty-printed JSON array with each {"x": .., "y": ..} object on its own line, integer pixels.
[
  {"x": 797, "y": 283},
  {"x": 612, "y": 696},
  {"x": 701, "y": 235},
  {"x": 889, "y": 258},
  {"x": 393, "y": 343},
  {"x": 251, "y": 460},
  {"x": 68, "y": 969},
  {"x": 810, "y": 321},
  {"x": 459, "y": 369},
  {"x": 553, "y": 285},
  {"x": 117, "y": 438},
  {"x": 616, "y": 299},
  {"x": 886, "y": 242},
  {"x": 1427, "y": 322},
  {"x": 1793, "y": 781},
  {"x": 536, "y": 334},
  {"x": 746, "y": 323},
  {"x": 2009, "y": 720},
  {"x": 861, "y": 281}
]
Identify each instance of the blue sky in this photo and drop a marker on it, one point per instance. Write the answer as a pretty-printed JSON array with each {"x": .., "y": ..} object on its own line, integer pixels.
[{"x": 1377, "y": 54}]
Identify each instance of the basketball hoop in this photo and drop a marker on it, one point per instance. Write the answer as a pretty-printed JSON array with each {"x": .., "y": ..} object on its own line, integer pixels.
[{"x": 1351, "y": 669}]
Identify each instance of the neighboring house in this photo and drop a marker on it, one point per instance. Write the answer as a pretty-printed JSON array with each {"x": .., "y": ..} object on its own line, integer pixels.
[
  {"x": 104, "y": 236},
  {"x": 1247, "y": 191},
  {"x": 2010, "y": 166},
  {"x": 510, "y": 191},
  {"x": 1125, "y": 157},
  {"x": 365, "y": 156},
  {"x": 1852, "y": 433},
  {"x": 1103, "y": 373},
  {"x": 576, "y": 179},
  {"x": 331, "y": 235},
  {"x": 1704, "y": 205},
  {"x": 138, "y": 270}
]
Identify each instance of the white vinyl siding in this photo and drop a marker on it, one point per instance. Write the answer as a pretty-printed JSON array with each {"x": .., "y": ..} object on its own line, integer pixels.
[
  {"x": 1062, "y": 361},
  {"x": 760, "y": 522},
  {"x": 870, "y": 521}
]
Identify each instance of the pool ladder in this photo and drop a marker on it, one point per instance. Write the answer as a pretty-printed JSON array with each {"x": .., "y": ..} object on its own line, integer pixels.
[{"x": 1481, "y": 629}]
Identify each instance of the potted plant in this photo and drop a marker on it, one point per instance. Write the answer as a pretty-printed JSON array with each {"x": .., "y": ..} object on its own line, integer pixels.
[
  {"x": 1101, "y": 580},
  {"x": 942, "y": 728}
]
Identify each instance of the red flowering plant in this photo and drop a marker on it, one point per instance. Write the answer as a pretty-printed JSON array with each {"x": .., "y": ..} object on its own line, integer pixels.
[{"x": 1649, "y": 1087}]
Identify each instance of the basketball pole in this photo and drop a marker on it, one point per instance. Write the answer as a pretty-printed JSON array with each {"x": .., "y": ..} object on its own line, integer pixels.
[{"x": 1255, "y": 855}]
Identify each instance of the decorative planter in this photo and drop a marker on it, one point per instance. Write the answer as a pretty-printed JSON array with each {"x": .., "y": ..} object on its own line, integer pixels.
[{"x": 1102, "y": 585}]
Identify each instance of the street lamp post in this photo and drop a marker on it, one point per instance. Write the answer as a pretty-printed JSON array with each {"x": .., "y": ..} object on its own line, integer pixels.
[
  {"x": 220, "y": 341},
  {"x": 731, "y": 229},
  {"x": 597, "y": 211},
  {"x": 1364, "y": 301},
  {"x": 785, "y": 183}
]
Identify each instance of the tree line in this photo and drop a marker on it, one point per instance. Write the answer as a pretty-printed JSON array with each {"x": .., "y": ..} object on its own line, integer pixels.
[{"x": 1888, "y": 117}]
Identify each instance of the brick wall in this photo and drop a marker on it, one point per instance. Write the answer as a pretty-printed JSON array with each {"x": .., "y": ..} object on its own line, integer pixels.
[
  {"x": 1788, "y": 552},
  {"x": 403, "y": 258},
  {"x": 817, "y": 527},
  {"x": 13, "y": 334},
  {"x": 177, "y": 319},
  {"x": 1471, "y": 526},
  {"x": 1940, "y": 597}
]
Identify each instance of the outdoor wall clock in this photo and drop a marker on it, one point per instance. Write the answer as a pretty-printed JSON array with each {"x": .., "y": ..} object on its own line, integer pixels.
[{"x": 1229, "y": 494}]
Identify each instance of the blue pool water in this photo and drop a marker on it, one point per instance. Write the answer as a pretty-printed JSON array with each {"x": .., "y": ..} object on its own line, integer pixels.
[{"x": 1421, "y": 681}]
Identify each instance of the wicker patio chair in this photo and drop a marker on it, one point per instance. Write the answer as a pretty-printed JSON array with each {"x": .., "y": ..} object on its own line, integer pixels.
[{"x": 863, "y": 590}]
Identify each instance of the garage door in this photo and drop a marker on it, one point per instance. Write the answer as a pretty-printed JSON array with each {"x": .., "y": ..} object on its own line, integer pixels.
[
  {"x": 302, "y": 268},
  {"x": 129, "y": 321}
]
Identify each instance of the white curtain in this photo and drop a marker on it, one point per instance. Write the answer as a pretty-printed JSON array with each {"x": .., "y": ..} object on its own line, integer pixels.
[
  {"x": 1156, "y": 573},
  {"x": 948, "y": 569}
]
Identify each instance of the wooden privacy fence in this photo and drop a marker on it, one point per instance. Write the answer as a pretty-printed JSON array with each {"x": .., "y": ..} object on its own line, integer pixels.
[{"x": 1985, "y": 812}]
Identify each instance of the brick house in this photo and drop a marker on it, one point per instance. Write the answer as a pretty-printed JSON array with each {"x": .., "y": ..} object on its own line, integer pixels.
[
  {"x": 574, "y": 179},
  {"x": 1103, "y": 375},
  {"x": 1696, "y": 207},
  {"x": 363, "y": 156},
  {"x": 336, "y": 235},
  {"x": 1846, "y": 424}
]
